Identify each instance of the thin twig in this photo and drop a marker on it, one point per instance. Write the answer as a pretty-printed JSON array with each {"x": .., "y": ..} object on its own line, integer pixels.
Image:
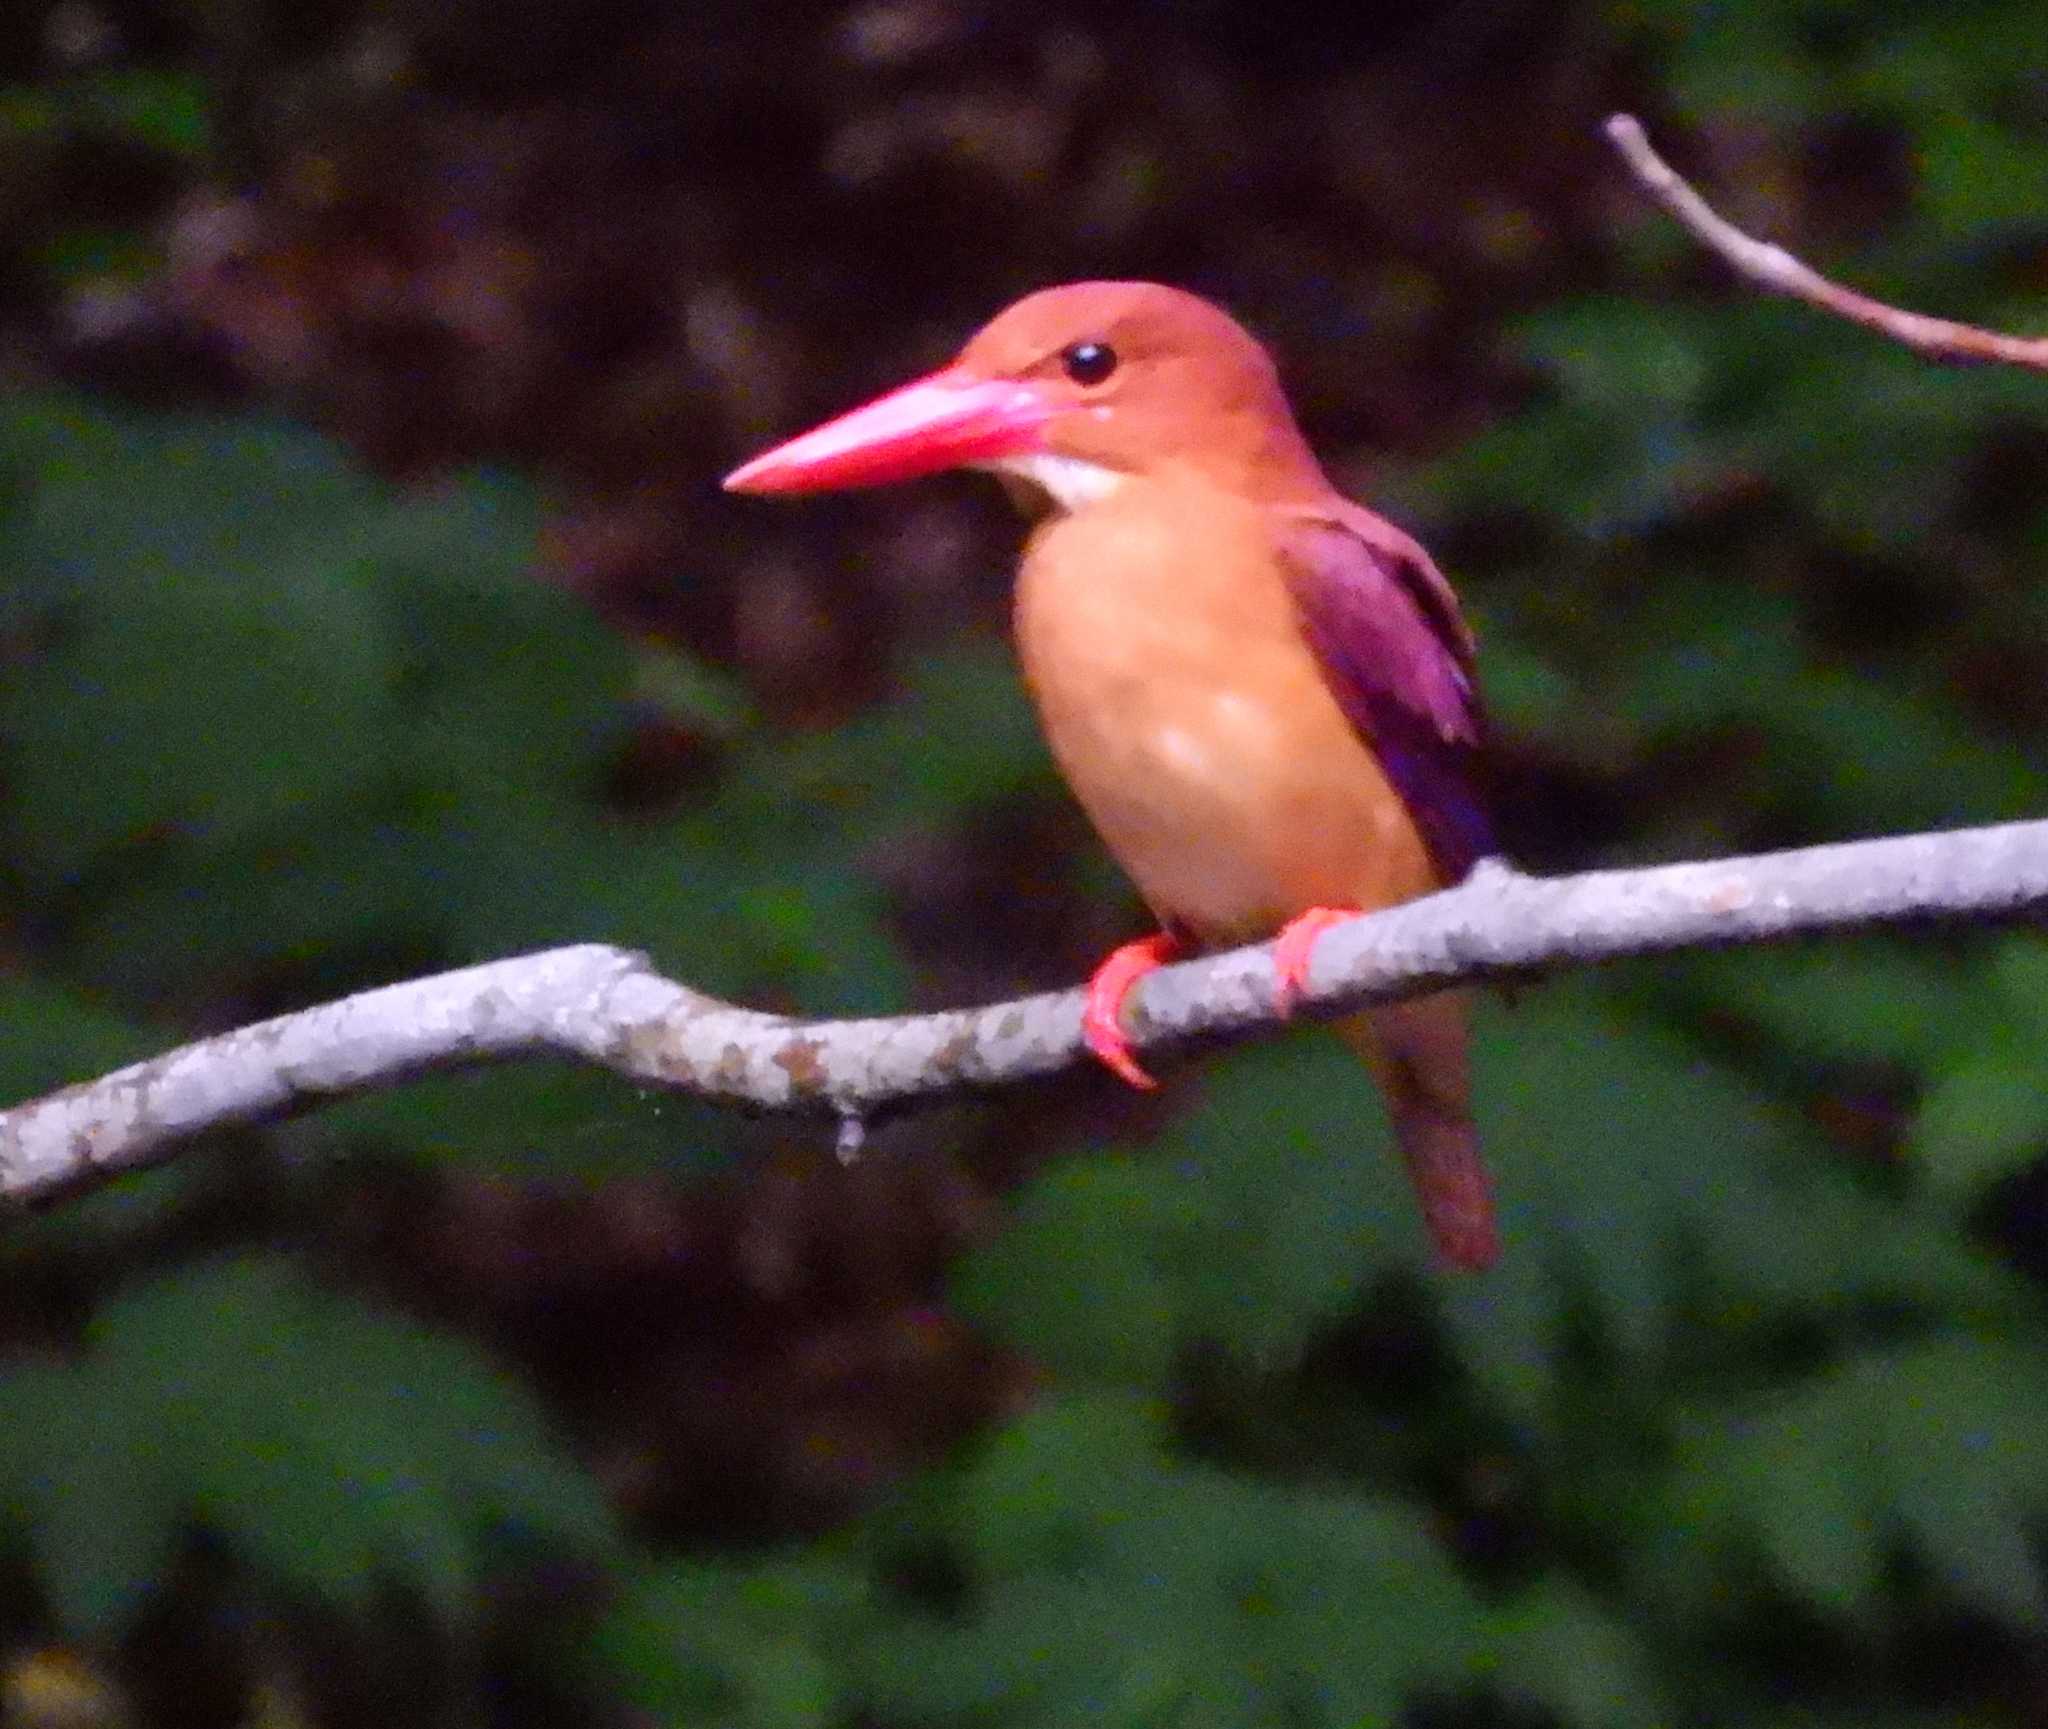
[
  {"x": 609, "y": 1007},
  {"x": 1776, "y": 271}
]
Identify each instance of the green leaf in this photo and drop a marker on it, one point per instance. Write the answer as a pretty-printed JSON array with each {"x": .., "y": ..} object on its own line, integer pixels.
[
  {"x": 1291, "y": 1198},
  {"x": 1113, "y": 1312},
  {"x": 1859, "y": 753},
  {"x": 1966, "y": 1464},
  {"x": 1852, "y": 1000},
  {"x": 335, "y": 1449},
  {"x": 1936, "y": 1445},
  {"x": 28, "y": 111},
  {"x": 1705, "y": 653},
  {"x": 1576, "y": 1655},
  {"x": 762, "y": 1644},
  {"x": 1615, "y": 1147},
  {"x": 284, "y": 709},
  {"x": 1736, "y": 64},
  {"x": 1606, "y": 454},
  {"x": 167, "y": 110},
  {"x": 91, "y": 252},
  {"x": 1257, "y": 1217},
  {"x": 703, "y": 697},
  {"x": 1152, "y": 1590},
  {"x": 1050, "y": 1486},
  {"x": 1985, "y": 1114},
  {"x": 1525, "y": 691},
  {"x": 458, "y": 567},
  {"x": 1976, "y": 173},
  {"x": 962, "y": 718},
  {"x": 1986, "y": 1117},
  {"x": 57, "y": 1036},
  {"x": 221, "y": 672},
  {"x": 101, "y": 1516}
]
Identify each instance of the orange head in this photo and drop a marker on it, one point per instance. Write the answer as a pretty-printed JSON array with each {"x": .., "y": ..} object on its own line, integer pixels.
[{"x": 1071, "y": 390}]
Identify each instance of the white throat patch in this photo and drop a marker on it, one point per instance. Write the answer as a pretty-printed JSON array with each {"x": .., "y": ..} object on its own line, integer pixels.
[{"x": 1068, "y": 481}]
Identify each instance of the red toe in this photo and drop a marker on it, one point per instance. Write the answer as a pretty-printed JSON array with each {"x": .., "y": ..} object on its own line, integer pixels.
[
  {"x": 1108, "y": 985},
  {"x": 1293, "y": 948}
]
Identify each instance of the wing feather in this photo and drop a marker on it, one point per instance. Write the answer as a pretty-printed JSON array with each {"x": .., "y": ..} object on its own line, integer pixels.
[{"x": 1386, "y": 630}]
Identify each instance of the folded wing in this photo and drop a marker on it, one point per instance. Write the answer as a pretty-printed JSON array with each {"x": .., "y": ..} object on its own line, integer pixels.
[{"x": 1386, "y": 631}]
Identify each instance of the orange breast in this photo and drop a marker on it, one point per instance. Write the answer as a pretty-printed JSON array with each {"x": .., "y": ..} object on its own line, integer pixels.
[{"x": 1189, "y": 716}]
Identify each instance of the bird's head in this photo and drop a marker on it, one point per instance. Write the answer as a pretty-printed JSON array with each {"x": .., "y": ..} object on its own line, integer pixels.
[{"x": 1071, "y": 391}]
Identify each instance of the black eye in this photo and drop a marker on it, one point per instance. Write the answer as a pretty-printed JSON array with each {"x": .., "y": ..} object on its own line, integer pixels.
[{"x": 1088, "y": 362}]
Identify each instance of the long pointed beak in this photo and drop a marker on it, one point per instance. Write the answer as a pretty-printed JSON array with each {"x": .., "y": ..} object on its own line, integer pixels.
[{"x": 946, "y": 420}]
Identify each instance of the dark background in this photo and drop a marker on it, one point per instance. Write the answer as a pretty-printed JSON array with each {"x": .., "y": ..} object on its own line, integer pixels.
[{"x": 369, "y": 606}]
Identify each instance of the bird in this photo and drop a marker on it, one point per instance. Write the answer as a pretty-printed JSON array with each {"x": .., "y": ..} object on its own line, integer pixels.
[{"x": 1263, "y": 695}]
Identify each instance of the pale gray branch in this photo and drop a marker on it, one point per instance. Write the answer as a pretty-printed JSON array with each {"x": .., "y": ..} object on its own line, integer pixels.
[
  {"x": 608, "y": 1006},
  {"x": 1776, "y": 271}
]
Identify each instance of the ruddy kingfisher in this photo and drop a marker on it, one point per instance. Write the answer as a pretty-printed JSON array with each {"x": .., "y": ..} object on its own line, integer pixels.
[{"x": 1262, "y": 694}]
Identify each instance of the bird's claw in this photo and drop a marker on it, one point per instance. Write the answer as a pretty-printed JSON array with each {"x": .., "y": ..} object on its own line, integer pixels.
[
  {"x": 1101, "y": 1020},
  {"x": 1294, "y": 947}
]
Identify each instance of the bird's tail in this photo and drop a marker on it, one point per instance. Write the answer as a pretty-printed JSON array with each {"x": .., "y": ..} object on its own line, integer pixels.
[{"x": 1417, "y": 1051}]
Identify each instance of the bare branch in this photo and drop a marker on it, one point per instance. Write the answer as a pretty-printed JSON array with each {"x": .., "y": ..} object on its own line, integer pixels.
[
  {"x": 1776, "y": 271},
  {"x": 608, "y": 1006}
]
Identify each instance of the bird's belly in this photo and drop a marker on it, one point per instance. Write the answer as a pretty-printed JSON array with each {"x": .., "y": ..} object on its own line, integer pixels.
[
  {"x": 1192, "y": 720},
  {"x": 1232, "y": 805}
]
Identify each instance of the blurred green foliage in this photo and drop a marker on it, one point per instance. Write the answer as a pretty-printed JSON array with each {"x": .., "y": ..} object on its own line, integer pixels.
[
  {"x": 1747, "y": 1429},
  {"x": 342, "y": 1452}
]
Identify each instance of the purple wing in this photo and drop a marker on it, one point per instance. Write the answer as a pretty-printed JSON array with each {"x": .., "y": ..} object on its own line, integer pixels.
[{"x": 1386, "y": 629}]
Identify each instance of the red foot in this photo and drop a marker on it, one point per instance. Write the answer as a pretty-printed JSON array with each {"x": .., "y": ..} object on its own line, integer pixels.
[
  {"x": 1108, "y": 985},
  {"x": 1296, "y": 943}
]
